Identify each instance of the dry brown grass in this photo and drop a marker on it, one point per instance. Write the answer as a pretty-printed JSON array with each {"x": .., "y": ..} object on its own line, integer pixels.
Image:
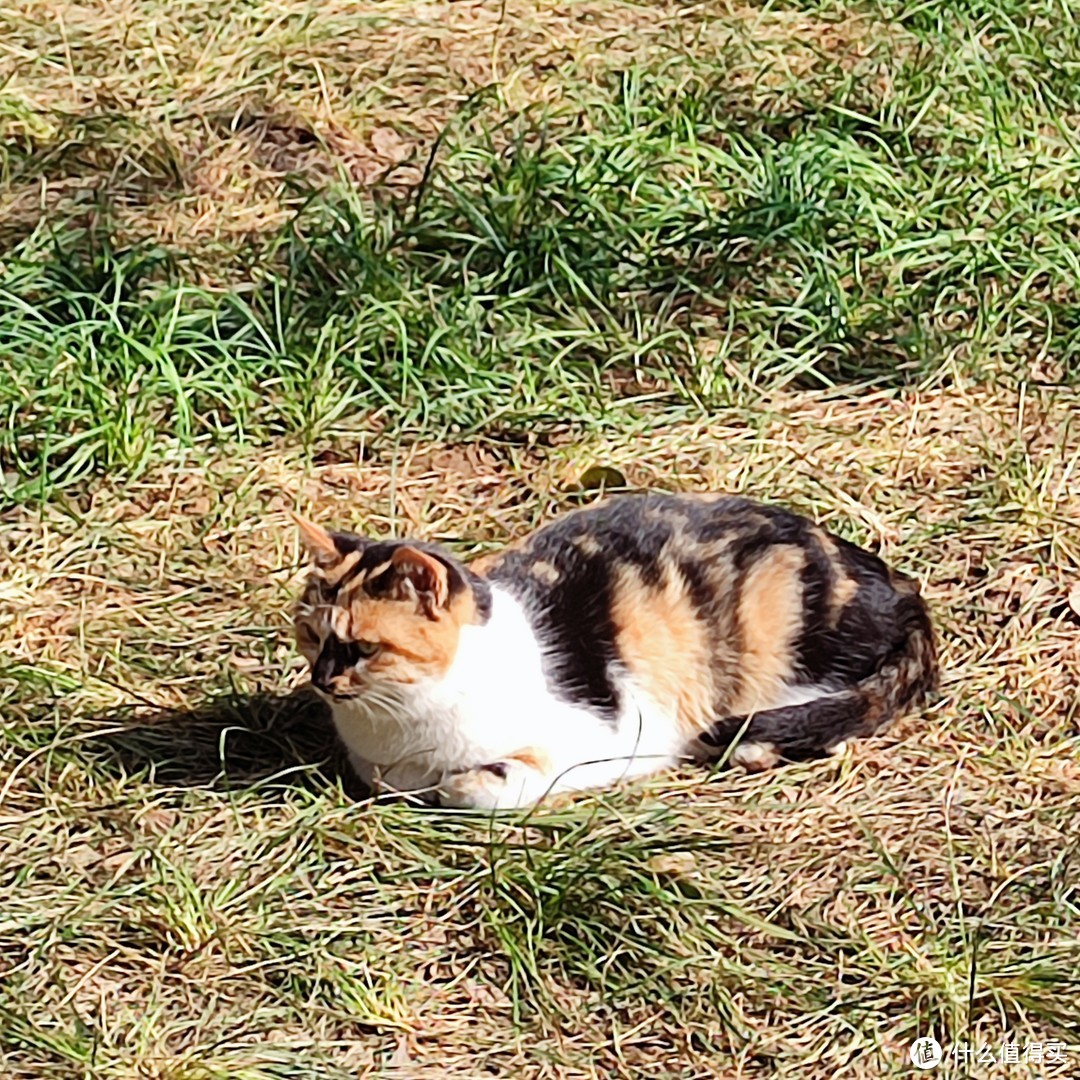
[{"x": 811, "y": 920}]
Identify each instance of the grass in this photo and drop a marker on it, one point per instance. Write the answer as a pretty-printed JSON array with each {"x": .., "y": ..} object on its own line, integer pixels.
[
  {"x": 421, "y": 268},
  {"x": 690, "y": 228}
]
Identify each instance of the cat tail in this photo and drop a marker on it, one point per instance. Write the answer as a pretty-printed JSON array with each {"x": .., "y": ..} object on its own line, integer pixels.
[{"x": 818, "y": 726}]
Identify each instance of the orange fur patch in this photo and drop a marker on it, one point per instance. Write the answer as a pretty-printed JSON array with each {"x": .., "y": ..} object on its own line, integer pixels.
[
  {"x": 545, "y": 572},
  {"x": 770, "y": 616},
  {"x": 587, "y": 544},
  {"x": 463, "y": 610},
  {"x": 486, "y": 563},
  {"x": 413, "y": 646},
  {"x": 534, "y": 758},
  {"x": 844, "y": 586},
  {"x": 665, "y": 646},
  {"x": 843, "y": 592}
]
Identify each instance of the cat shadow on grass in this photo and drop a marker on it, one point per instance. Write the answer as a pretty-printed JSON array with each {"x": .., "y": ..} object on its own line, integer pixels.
[{"x": 234, "y": 742}]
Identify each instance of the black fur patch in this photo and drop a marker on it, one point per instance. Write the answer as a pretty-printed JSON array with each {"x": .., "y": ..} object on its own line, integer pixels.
[
  {"x": 799, "y": 731},
  {"x": 868, "y": 630},
  {"x": 572, "y": 616}
]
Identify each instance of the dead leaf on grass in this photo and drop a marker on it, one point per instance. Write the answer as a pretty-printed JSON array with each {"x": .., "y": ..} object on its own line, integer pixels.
[{"x": 596, "y": 477}]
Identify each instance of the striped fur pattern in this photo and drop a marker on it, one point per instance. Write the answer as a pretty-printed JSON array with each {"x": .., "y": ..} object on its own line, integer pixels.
[{"x": 615, "y": 641}]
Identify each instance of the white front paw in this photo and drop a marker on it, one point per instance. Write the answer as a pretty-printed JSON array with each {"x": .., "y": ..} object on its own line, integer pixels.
[{"x": 502, "y": 785}]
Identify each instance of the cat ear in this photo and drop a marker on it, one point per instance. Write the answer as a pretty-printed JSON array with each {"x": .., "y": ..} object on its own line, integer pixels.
[
  {"x": 319, "y": 543},
  {"x": 423, "y": 576}
]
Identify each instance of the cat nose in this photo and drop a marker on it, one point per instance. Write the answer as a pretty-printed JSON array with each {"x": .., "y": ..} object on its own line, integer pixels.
[{"x": 323, "y": 676}]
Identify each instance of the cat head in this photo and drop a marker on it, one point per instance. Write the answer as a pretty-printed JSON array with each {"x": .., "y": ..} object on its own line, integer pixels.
[{"x": 376, "y": 613}]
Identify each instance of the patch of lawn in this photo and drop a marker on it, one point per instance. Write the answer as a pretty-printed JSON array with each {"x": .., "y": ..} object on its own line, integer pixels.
[
  {"x": 195, "y": 887},
  {"x": 893, "y": 211},
  {"x": 414, "y": 268}
]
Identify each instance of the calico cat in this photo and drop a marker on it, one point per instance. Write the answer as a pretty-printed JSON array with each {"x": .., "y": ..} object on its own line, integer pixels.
[{"x": 615, "y": 641}]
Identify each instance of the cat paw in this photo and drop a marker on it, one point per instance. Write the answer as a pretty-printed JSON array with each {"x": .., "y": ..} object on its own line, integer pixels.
[
  {"x": 501, "y": 785},
  {"x": 756, "y": 756}
]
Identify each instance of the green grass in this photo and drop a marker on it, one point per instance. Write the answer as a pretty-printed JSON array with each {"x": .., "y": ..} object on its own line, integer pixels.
[
  {"x": 667, "y": 230},
  {"x": 418, "y": 269}
]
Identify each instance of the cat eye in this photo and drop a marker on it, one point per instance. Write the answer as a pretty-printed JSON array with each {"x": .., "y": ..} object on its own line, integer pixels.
[{"x": 367, "y": 648}]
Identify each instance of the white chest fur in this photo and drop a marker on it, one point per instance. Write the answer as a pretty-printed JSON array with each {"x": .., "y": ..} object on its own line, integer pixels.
[{"x": 492, "y": 702}]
